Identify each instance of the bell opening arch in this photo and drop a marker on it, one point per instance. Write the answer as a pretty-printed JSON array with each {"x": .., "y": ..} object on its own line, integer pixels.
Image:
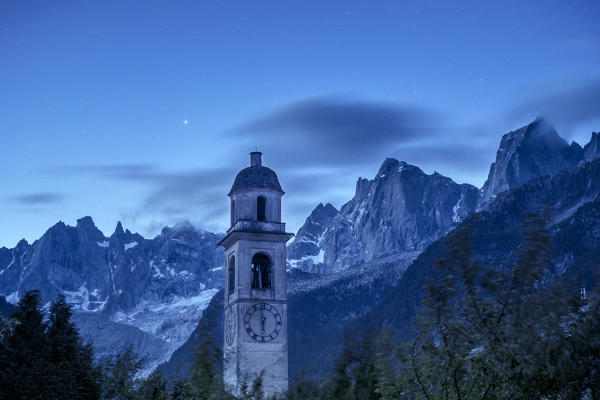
[
  {"x": 261, "y": 208},
  {"x": 231, "y": 275},
  {"x": 261, "y": 269}
]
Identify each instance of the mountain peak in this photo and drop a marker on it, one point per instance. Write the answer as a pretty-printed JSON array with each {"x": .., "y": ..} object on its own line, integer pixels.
[
  {"x": 86, "y": 222},
  {"x": 323, "y": 211},
  {"x": 184, "y": 226},
  {"x": 330, "y": 208},
  {"x": 118, "y": 230},
  {"x": 591, "y": 150},
  {"x": 389, "y": 165},
  {"x": 530, "y": 152},
  {"x": 22, "y": 244}
]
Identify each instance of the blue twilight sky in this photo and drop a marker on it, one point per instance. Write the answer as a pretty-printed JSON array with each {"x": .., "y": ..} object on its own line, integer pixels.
[{"x": 143, "y": 111}]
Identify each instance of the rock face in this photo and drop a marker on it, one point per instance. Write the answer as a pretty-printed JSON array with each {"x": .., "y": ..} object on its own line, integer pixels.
[
  {"x": 125, "y": 290},
  {"x": 530, "y": 152},
  {"x": 402, "y": 209},
  {"x": 304, "y": 252},
  {"x": 573, "y": 198},
  {"x": 591, "y": 151}
]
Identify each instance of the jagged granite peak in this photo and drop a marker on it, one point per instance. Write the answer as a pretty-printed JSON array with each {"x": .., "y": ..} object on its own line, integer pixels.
[
  {"x": 22, "y": 244},
  {"x": 119, "y": 232},
  {"x": 401, "y": 210},
  {"x": 304, "y": 252},
  {"x": 87, "y": 230},
  {"x": 148, "y": 293},
  {"x": 86, "y": 222},
  {"x": 530, "y": 152},
  {"x": 591, "y": 150}
]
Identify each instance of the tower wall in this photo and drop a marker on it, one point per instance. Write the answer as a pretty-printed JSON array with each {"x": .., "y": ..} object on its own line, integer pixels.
[
  {"x": 255, "y": 315},
  {"x": 244, "y": 357},
  {"x": 245, "y": 203}
]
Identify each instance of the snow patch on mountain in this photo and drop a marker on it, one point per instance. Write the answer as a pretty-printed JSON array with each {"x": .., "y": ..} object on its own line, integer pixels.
[{"x": 129, "y": 246}]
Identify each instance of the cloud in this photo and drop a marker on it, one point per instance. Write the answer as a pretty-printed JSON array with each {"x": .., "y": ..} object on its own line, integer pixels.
[
  {"x": 198, "y": 195},
  {"x": 567, "y": 107},
  {"x": 318, "y": 146},
  {"x": 122, "y": 171},
  {"x": 334, "y": 131},
  {"x": 37, "y": 199}
]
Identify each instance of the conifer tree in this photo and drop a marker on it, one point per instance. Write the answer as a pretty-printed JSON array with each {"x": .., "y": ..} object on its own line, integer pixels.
[
  {"x": 205, "y": 378},
  {"x": 74, "y": 375},
  {"x": 154, "y": 387},
  {"x": 24, "y": 369},
  {"x": 118, "y": 375},
  {"x": 498, "y": 333}
]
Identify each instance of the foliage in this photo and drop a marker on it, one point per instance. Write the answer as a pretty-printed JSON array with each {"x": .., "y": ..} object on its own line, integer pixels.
[
  {"x": 515, "y": 331},
  {"x": 45, "y": 360},
  {"x": 499, "y": 333},
  {"x": 118, "y": 375}
]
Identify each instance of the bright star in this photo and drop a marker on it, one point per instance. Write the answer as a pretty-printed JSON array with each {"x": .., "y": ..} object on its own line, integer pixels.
[{"x": 185, "y": 122}]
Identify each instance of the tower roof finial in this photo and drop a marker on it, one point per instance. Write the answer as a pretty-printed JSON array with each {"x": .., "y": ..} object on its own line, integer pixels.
[{"x": 256, "y": 159}]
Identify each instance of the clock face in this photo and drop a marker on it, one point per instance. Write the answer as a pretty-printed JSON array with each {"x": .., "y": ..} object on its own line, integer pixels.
[
  {"x": 262, "y": 322},
  {"x": 229, "y": 326}
]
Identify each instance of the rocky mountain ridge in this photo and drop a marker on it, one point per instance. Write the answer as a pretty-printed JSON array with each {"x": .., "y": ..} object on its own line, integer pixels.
[
  {"x": 124, "y": 289},
  {"x": 403, "y": 209}
]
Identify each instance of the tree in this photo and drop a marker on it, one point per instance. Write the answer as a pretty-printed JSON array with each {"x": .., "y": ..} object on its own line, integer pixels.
[
  {"x": 205, "y": 379},
  {"x": 74, "y": 375},
  {"x": 499, "y": 333},
  {"x": 6, "y": 328},
  {"x": 24, "y": 370},
  {"x": 118, "y": 375},
  {"x": 154, "y": 387}
]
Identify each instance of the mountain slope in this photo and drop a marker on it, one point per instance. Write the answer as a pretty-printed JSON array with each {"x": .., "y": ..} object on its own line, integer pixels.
[
  {"x": 573, "y": 198},
  {"x": 591, "y": 151},
  {"x": 304, "y": 252},
  {"x": 125, "y": 290}
]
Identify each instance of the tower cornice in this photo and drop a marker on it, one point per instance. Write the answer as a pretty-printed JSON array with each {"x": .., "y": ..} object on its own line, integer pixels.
[{"x": 250, "y": 235}]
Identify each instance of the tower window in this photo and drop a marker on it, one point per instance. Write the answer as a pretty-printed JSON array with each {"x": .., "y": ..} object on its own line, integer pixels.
[
  {"x": 232, "y": 212},
  {"x": 231, "y": 275},
  {"x": 261, "y": 271},
  {"x": 261, "y": 204}
]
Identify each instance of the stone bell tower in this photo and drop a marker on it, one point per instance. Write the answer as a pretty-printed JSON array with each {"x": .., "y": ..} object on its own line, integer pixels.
[{"x": 255, "y": 323}]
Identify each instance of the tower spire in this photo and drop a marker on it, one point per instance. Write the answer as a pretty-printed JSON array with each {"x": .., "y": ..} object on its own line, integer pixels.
[{"x": 256, "y": 159}]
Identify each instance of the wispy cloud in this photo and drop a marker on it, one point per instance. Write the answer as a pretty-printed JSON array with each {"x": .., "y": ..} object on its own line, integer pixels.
[
  {"x": 337, "y": 131},
  {"x": 37, "y": 199},
  {"x": 566, "y": 108},
  {"x": 318, "y": 146},
  {"x": 197, "y": 195}
]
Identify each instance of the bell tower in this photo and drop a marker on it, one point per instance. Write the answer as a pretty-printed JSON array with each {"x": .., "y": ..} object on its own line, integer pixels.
[{"x": 255, "y": 323}]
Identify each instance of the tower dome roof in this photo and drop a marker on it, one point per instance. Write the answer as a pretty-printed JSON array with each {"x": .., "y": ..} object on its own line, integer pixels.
[{"x": 256, "y": 176}]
